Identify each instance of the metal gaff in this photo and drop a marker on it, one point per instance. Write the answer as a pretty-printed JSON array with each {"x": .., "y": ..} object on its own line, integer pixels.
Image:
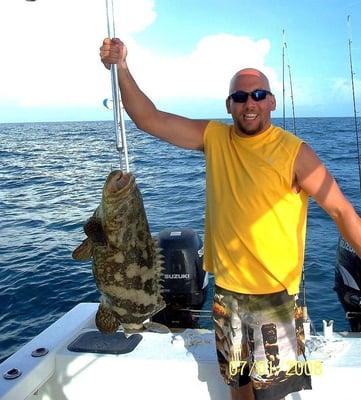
[{"x": 118, "y": 110}]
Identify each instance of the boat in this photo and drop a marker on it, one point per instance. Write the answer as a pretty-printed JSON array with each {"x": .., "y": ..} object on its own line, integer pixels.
[
  {"x": 178, "y": 363},
  {"x": 173, "y": 357}
]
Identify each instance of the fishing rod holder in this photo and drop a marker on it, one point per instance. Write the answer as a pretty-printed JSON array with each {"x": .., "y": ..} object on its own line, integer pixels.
[{"x": 328, "y": 328}]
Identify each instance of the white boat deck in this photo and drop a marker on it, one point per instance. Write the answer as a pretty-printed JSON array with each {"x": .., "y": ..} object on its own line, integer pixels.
[{"x": 163, "y": 366}]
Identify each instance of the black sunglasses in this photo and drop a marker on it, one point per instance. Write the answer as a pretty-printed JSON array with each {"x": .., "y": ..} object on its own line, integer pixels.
[{"x": 241, "y": 97}]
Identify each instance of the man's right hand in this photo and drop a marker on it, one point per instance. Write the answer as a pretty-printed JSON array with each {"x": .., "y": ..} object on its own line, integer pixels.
[
  {"x": 113, "y": 51},
  {"x": 175, "y": 129}
]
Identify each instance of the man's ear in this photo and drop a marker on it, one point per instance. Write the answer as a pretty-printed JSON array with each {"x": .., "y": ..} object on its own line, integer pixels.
[
  {"x": 228, "y": 105},
  {"x": 273, "y": 103}
]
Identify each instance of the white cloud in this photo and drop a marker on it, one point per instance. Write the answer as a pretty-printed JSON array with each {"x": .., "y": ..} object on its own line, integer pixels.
[
  {"x": 342, "y": 88},
  {"x": 50, "y": 48},
  {"x": 205, "y": 72},
  {"x": 133, "y": 15},
  {"x": 50, "y": 53}
]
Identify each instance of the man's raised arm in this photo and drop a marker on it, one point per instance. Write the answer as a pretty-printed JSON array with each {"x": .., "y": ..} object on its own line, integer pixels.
[
  {"x": 314, "y": 178},
  {"x": 175, "y": 129}
]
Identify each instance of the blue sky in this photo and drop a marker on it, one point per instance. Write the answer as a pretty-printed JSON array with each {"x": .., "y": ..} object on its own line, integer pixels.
[{"x": 181, "y": 52}]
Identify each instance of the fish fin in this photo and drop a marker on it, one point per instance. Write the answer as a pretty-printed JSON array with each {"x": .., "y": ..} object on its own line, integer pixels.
[
  {"x": 84, "y": 251},
  {"x": 106, "y": 320},
  {"x": 156, "y": 327},
  {"x": 94, "y": 230}
]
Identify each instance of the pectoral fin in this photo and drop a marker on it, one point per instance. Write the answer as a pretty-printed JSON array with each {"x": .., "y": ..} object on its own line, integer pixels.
[
  {"x": 94, "y": 230},
  {"x": 84, "y": 251}
]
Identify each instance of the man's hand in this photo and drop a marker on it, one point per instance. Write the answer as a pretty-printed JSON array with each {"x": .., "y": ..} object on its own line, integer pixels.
[{"x": 113, "y": 51}]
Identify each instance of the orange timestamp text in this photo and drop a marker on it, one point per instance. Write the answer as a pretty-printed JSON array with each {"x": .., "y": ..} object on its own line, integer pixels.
[{"x": 286, "y": 368}]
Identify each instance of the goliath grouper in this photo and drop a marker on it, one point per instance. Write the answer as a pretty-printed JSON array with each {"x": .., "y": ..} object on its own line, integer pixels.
[{"x": 126, "y": 260}]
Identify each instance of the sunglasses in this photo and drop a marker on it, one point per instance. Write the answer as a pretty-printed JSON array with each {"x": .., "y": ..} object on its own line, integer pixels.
[{"x": 241, "y": 97}]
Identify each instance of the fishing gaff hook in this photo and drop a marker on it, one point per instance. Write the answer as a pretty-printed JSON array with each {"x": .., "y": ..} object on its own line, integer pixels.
[{"x": 118, "y": 110}]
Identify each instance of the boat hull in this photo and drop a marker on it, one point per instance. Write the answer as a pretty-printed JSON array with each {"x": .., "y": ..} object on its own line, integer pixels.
[{"x": 177, "y": 365}]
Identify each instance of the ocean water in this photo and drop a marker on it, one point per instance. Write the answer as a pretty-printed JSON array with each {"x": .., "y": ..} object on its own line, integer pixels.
[{"x": 51, "y": 177}]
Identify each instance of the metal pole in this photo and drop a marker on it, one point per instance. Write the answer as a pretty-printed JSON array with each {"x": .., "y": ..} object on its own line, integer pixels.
[{"x": 118, "y": 110}]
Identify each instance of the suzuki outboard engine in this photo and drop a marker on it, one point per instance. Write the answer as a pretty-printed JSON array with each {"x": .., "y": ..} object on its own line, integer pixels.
[
  {"x": 348, "y": 283},
  {"x": 185, "y": 281}
]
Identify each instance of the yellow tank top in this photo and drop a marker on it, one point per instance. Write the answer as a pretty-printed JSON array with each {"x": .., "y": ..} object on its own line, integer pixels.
[{"x": 255, "y": 224}]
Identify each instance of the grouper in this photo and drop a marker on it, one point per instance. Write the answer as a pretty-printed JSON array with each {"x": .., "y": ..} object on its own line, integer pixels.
[{"x": 127, "y": 264}]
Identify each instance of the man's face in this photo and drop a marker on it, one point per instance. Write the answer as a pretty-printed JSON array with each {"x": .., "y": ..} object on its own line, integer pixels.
[{"x": 252, "y": 117}]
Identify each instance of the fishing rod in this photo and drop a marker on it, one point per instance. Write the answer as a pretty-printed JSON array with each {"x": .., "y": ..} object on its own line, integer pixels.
[
  {"x": 197, "y": 313},
  {"x": 354, "y": 97},
  {"x": 118, "y": 110},
  {"x": 285, "y": 55},
  {"x": 306, "y": 320},
  {"x": 292, "y": 98},
  {"x": 283, "y": 81}
]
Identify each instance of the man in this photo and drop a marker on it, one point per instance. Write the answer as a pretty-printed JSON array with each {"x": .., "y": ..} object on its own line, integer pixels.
[{"x": 258, "y": 180}]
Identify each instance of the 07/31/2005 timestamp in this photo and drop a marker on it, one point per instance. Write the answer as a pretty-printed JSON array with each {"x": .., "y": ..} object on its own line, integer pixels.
[{"x": 289, "y": 368}]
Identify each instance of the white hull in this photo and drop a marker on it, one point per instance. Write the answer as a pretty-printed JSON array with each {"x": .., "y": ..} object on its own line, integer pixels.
[{"x": 162, "y": 366}]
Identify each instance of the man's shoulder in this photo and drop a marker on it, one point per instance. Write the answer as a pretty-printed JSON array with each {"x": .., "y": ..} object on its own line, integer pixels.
[
  {"x": 215, "y": 132},
  {"x": 284, "y": 135},
  {"x": 218, "y": 126}
]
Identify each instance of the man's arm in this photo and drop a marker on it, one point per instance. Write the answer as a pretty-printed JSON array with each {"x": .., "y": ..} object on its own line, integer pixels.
[
  {"x": 313, "y": 177},
  {"x": 181, "y": 131}
]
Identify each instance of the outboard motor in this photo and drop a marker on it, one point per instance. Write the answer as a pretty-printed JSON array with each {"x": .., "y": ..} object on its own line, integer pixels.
[
  {"x": 348, "y": 283},
  {"x": 185, "y": 282}
]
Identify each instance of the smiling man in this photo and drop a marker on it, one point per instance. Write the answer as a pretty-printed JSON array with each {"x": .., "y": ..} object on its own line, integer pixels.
[
  {"x": 258, "y": 181},
  {"x": 254, "y": 117}
]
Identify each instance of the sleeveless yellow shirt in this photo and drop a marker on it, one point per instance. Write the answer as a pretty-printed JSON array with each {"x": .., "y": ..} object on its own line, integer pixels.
[{"x": 255, "y": 224}]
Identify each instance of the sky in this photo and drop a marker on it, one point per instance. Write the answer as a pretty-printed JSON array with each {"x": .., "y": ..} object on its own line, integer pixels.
[{"x": 182, "y": 53}]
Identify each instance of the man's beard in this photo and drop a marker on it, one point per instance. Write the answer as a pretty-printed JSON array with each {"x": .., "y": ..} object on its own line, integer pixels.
[{"x": 249, "y": 132}]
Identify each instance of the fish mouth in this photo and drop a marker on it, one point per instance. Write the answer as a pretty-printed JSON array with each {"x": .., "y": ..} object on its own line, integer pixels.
[{"x": 118, "y": 182}]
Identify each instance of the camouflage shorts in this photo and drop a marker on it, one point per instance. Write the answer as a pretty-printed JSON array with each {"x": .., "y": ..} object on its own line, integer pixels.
[{"x": 259, "y": 339}]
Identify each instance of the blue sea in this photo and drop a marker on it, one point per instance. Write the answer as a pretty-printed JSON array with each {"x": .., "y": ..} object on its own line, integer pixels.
[{"x": 51, "y": 177}]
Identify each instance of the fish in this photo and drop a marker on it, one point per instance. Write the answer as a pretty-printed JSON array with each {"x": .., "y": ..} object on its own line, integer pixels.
[{"x": 127, "y": 263}]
